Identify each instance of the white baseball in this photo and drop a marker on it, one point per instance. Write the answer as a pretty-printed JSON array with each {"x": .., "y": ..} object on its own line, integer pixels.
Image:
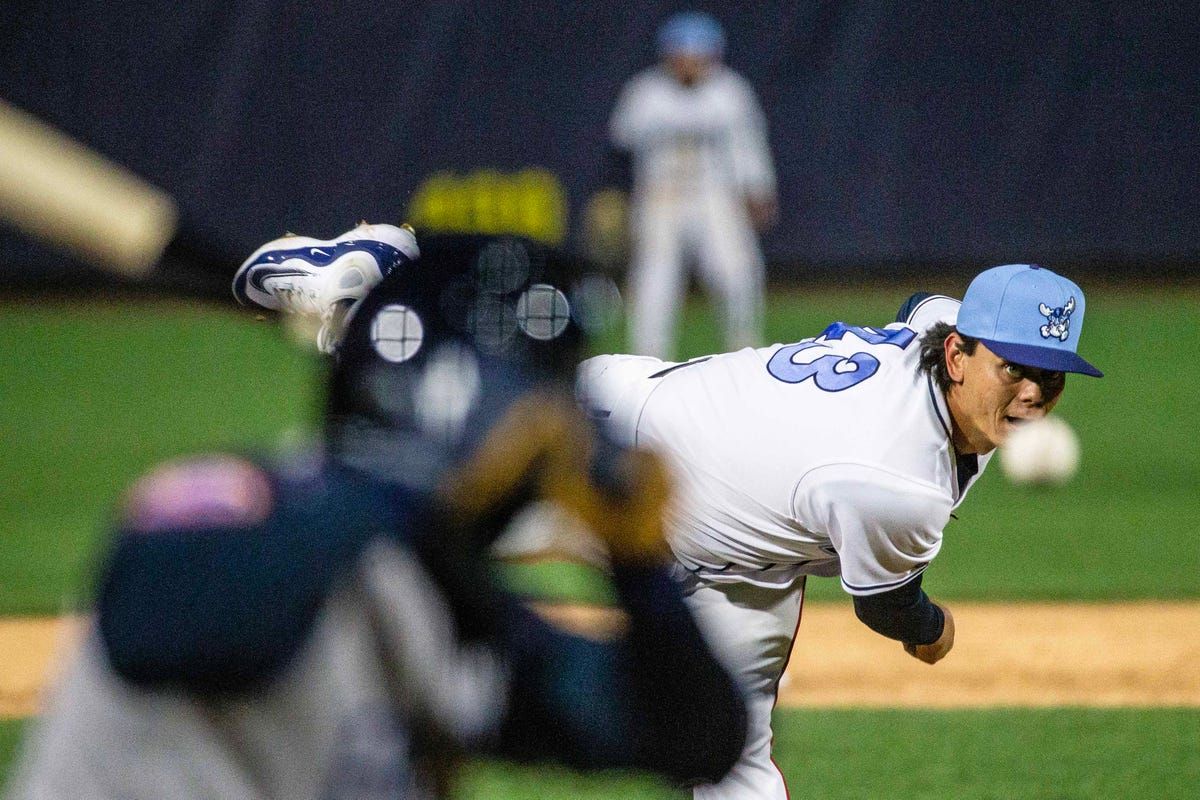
[{"x": 1042, "y": 452}]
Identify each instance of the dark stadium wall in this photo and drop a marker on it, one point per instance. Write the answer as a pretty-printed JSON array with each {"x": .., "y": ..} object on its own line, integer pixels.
[{"x": 936, "y": 133}]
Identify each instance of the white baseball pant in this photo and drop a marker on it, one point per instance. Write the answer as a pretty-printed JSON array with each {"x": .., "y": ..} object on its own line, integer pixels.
[
  {"x": 751, "y": 626},
  {"x": 710, "y": 225}
]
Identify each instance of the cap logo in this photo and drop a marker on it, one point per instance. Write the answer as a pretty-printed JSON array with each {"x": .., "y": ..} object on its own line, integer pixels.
[{"x": 1058, "y": 320}]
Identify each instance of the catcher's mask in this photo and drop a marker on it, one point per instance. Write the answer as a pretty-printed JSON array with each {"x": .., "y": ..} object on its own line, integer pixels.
[{"x": 474, "y": 345}]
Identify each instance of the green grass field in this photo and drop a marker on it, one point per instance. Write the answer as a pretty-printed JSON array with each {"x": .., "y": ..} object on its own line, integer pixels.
[
  {"x": 1060, "y": 754},
  {"x": 927, "y": 755},
  {"x": 95, "y": 393}
]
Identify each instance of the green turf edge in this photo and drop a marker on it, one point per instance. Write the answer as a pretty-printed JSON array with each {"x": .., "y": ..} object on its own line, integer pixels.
[
  {"x": 1034, "y": 754},
  {"x": 10, "y": 738},
  {"x": 559, "y": 582},
  {"x": 491, "y": 780}
]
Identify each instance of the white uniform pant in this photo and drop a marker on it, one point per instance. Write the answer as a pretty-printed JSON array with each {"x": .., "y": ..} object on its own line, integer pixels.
[
  {"x": 711, "y": 225},
  {"x": 751, "y": 629},
  {"x": 750, "y": 620}
]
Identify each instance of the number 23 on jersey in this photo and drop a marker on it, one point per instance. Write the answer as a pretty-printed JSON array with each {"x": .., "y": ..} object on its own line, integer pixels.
[{"x": 834, "y": 372}]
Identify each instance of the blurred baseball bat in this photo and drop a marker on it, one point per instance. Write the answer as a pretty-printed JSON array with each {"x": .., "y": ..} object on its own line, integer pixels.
[{"x": 56, "y": 189}]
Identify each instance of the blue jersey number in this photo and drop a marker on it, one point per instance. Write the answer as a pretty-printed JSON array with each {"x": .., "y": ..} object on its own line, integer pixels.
[{"x": 833, "y": 373}]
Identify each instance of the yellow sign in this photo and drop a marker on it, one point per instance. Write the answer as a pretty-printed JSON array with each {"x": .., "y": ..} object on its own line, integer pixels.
[{"x": 531, "y": 203}]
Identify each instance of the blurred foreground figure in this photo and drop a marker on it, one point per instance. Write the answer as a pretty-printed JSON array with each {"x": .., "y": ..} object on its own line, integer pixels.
[
  {"x": 703, "y": 183},
  {"x": 328, "y": 627}
]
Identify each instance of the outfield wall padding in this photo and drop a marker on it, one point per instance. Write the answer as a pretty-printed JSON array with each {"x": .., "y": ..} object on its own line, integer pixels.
[{"x": 904, "y": 133}]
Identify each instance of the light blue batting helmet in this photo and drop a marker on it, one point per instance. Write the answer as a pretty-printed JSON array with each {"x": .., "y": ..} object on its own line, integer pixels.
[{"x": 691, "y": 33}]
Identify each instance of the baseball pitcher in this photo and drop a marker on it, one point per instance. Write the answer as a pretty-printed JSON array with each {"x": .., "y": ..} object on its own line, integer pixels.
[{"x": 839, "y": 455}]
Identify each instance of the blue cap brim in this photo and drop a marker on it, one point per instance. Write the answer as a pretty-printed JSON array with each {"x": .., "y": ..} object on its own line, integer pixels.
[{"x": 1028, "y": 355}]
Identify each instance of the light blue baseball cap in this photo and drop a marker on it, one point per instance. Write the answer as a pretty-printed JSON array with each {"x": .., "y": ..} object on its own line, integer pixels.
[
  {"x": 1027, "y": 315},
  {"x": 691, "y": 33}
]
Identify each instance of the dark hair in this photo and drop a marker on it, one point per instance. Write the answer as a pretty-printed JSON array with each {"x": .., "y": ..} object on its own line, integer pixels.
[{"x": 933, "y": 352}]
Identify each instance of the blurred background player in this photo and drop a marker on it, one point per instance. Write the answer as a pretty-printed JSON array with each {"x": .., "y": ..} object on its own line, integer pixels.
[
  {"x": 703, "y": 183},
  {"x": 320, "y": 280},
  {"x": 328, "y": 627},
  {"x": 840, "y": 455}
]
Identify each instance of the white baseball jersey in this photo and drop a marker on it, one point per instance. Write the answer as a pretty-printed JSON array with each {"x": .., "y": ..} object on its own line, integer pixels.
[
  {"x": 698, "y": 153},
  {"x": 830, "y": 456},
  {"x": 685, "y": 137}
]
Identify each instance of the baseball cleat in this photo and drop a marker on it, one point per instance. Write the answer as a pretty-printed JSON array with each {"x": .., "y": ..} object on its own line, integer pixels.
[{"x": 323, "y": 278}]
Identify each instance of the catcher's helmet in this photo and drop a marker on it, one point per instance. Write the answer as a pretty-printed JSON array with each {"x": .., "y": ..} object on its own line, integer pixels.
[{"x": 434, "y": 355}]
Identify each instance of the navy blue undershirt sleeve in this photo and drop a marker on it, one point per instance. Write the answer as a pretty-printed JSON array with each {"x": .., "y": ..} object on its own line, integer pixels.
[
  {"x": 905, "y": 613},
  {"x": 910, "y": 305},
  {"x": 693, "y": 741},
  {"x": 566, "y": 703},
  {"x": 629, "y": 703}
]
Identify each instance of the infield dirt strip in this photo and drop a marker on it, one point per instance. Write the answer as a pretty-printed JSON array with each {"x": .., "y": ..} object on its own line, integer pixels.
[{"x": 1126, "y": 654}]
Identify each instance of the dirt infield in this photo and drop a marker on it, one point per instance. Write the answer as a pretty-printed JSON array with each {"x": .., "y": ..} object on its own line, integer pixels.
[
  {"x": 1137, "y": 654},
  {"x": 1129, "y": 654},
  {"x": 30, "y": 649}
]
